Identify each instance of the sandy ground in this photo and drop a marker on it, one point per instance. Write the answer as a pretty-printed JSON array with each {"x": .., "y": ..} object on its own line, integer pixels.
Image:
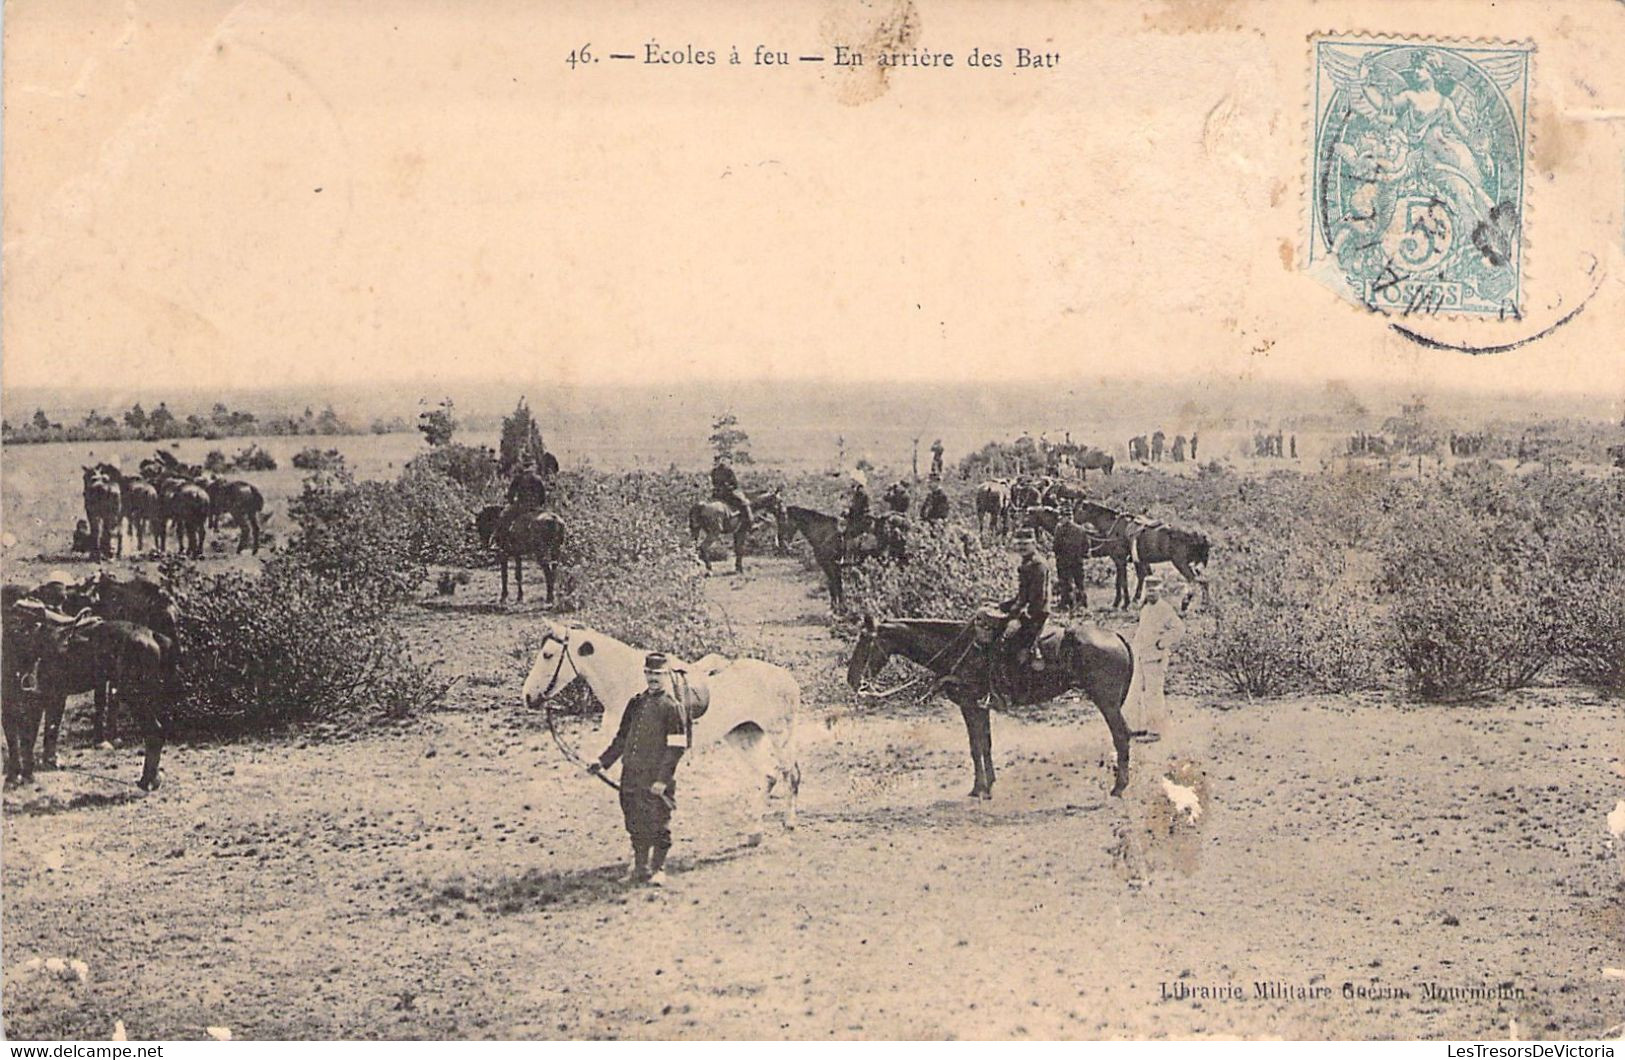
[{"x": 452, "y": 877}]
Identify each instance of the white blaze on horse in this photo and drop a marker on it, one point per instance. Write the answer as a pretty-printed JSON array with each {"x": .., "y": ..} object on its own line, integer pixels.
[{"x": 748, "y": 704}]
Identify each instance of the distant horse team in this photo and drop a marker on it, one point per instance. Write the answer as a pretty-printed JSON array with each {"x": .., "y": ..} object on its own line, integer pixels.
[{"x": 166, "y": 495}]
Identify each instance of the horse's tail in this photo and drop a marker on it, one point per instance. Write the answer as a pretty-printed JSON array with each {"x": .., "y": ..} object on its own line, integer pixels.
[
  {"x": 696, "y": 526},
  {"x": 1128, "y": 649}
]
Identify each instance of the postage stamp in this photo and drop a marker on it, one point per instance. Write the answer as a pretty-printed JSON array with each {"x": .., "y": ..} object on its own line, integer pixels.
[{"x": 1418, "y": 174}]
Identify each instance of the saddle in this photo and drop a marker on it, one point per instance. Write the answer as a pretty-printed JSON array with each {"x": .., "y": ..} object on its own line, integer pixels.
[
  {"x": 691, "y": 686},
  {"x": 990, "y": 626},
  {"x": 53, "y": 620}
]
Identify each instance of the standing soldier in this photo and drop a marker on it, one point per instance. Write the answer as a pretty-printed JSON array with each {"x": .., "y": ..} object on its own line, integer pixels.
[
  {"x": 935, "y": 506},
  {"x": 936, "y": 458},
  {"x": 1160, "y": 628},
  {"x": 1029, "y": 608},
  {"x": 857, "y": 510},
  {"x": 725, "y": 488},
  {"x": 1193, "y": 445},
  {"x": 649, "y": 744}
]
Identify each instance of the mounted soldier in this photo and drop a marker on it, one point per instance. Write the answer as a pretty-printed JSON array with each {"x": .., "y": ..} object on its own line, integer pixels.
[
  {"x": 1029, "y": 609},
  {"x": 725, "y": 488},
  {"x": 897, "y": 497},
  {"x": 527, "y": 492}
]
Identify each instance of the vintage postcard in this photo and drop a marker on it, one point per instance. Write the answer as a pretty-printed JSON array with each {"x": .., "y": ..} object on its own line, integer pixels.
[{"x": 841, "y": 520}]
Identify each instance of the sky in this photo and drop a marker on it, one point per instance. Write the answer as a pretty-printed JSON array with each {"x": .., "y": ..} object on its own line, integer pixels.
[{"x": 247, "y": 194}]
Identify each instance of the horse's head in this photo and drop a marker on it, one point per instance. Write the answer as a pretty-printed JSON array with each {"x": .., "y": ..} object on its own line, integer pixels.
[
  {"x": 486, "y": 521},
  {"x": 1196, "y": 545},
  {"x": 557, "y": 662},
  {"x": 869, "y": 655}
]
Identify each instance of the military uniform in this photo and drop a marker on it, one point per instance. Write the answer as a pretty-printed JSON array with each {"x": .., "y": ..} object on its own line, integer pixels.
[
  {"x": 526, "y": 493},
  {"x": 725, "y": 488},
  {"x": 1030, "y": 606},
  {"x": 648, "y": 744},
  {"x": 936, "y": 505},
  {"x": 936, "y": 457},
  {"x": 1160, "y": 628}
]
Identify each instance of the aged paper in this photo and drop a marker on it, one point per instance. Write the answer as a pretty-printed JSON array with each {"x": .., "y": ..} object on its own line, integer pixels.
[{"x": 853, "y": 226}]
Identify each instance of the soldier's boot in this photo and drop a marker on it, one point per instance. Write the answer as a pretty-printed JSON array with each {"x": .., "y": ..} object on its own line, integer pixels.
[
  {"x": 657, "y": 866},
  {"x": 640, "y": 864}
]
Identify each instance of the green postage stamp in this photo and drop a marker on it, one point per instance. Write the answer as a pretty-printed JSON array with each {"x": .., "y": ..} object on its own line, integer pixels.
[{"x": 1420, "y": 152}]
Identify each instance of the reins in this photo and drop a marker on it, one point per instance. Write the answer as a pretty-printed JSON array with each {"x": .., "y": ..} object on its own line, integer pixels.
[
  {"x": 565, "y": 749},
  {"x": 970, "y": 642}
]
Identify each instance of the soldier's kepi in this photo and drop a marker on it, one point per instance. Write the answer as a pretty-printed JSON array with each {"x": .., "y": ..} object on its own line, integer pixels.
[{"x": 648, "y": 744}]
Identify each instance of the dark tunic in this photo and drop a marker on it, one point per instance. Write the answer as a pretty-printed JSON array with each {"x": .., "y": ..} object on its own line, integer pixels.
[
  {"x": 1030, "y": 606},
  {"x": 935, "y": 506},
  {"x": 648, "y": 744},
  {"x": 528, "y": 490},
  {"x": 857, "y": 512},
  {"x": 724, "y": 481}
]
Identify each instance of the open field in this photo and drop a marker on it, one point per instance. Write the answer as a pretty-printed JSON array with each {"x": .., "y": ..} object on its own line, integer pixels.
[{"x": 450, "y": 876}]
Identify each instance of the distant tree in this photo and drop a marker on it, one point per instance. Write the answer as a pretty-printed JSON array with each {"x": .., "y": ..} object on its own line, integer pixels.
[
  {"x": 220, "y": 416},
  {"x": 41, "y": 421},
  {"x": 161, "y": 423},
  {"x": 136, "y": 418},
  {"x": 521, "y": 439},
  {"x": 728, "y": 442},
  {"x": 438, "y": 424},
  {"x": 330, "y": 423}
]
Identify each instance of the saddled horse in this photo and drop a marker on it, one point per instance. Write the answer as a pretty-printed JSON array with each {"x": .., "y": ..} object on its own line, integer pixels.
[
  {"x": 1094, "y": 460},
  {"x": 185, "y": 504},
  {"x": 747, "y": 704},
  {"x": 143, "y": 511},
  {"x": 104, "y": 509},
  {"x": 993, "y": 501},
  {"x": 530, "y": 533},
  {"x": 49, "y": 657},
  {"x": 1084, "y": 658},
  {"x": 240, "y": 501},
  {"x": 887, "y": 530},
  {"x": 713, "y": 519},
  {"x": 139, "y": 601},
  {"x": 1147, "y": 542}
]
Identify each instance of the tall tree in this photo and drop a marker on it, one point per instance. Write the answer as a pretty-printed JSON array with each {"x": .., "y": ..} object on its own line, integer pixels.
[
  {"x": 521, "y": 439},
  {"x": 728, "y": 441},
  {"x": 438, "y": 424}
]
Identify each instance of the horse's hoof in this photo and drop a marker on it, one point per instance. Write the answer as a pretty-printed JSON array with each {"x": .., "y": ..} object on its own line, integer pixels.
[
  {"x": 754, "y": 839},
  {"x": 147, "y": 785},
  {"x": 49, "y": 765}
]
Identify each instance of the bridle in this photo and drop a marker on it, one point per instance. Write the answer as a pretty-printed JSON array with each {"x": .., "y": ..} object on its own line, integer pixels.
[
  {"x": 570, "y": 754},
  {"x": 970, "y": 642}
]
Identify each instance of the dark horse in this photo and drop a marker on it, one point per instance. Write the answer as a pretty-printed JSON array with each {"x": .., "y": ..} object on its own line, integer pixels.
[
  {"x": 1146, "y": 542},
  {"x": 185, "y": 504},
  {"x": 104, "y": 509},
  {"x": 138, "y": 601},
  {"x": 49, "y": 657},
  {"x": 142, "y": 509},
  {"x": 1073, "y": 543},
  {"x": 1086, "y": 658},
  {"x": 823, "y": 534},
  {"x": 709, "y": 520},
  {"x": 993, "y": 500},
  {"x": 241, "y": 501},
  {"x": 538, "y": 534}
]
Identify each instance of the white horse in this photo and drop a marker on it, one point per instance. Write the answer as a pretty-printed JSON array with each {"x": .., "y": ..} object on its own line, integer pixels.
[{"x": 753, "y": 704}]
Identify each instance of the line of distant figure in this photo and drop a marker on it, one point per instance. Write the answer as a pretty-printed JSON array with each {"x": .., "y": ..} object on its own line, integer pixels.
[{"x": 1153, "y": 449}]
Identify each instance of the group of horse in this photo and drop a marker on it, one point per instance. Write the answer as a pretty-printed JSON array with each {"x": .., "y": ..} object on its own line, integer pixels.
[
  {"x": 118, "y": 639},
  {"x": 166, "y": 494}
]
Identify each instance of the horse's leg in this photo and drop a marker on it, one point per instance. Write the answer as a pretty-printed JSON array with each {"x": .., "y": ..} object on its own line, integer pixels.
[
  {"x": 33, "y": 704},
  {"x": 1109, "y": 696},
  {"x": 985, "y": 722},
  {"x": 53, "y": 707},
  {"x": 550, "y": 570},
  {"x": 749, "y": 741},
  {"x": 12, "y": 717},
  {"x": 502, "y": 562},
  {"x": 1141, "y": 568},
  {"x": 254, "y": 524},
  {"x": 739, "y": 547},
  {"x": 970, "y": 711},
  {"x": 1120, "y": 583},
  {"x": 152, "y": 731},
  {"x": 705, "y": 548},
  {"x": 519, "y": 577},
  {"x": 104, "y": 692}
]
